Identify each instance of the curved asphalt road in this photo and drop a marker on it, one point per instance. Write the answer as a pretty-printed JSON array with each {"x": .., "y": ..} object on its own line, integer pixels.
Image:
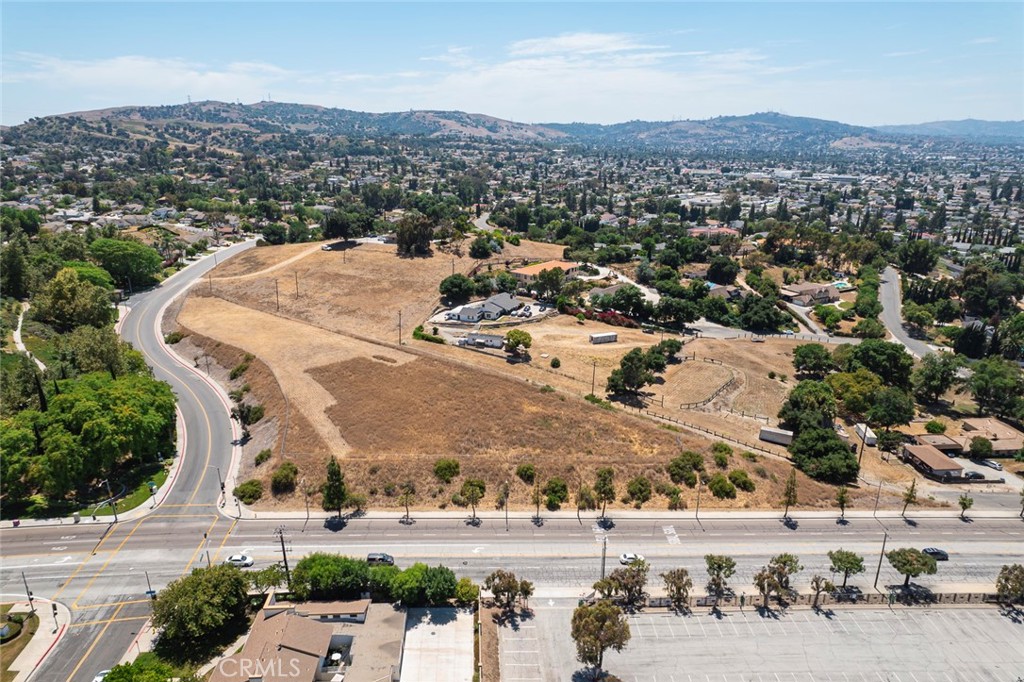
[
  {"x": 208, "y": 430},
  {"x": 892, "y": 313}
]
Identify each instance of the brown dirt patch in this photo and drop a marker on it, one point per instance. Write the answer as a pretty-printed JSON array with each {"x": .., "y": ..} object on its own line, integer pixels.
[
  {"x": 489, "y": 643},
  {"x": 689, "y": 382}
]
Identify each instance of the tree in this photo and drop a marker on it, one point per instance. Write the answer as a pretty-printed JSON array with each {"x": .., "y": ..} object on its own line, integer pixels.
[
  {"x": 761, "y": 314},
  {"x": 192, "y": 609},
  {"x": 783, "y": 567},
  {"x": 407, "y": 497},
  {"x": 813, "y": 359},
  {"x": 68, "y": 301},
  {"x": 996, "y": 386},
  {"x": 723, "y": 270},
  {"x": 549, "y": 283},
  {"x": 918, "y": 315},
  {"x": 321, "y": 576},
  {"x": 333, "y": 491},
  {"x": 275, "y": 234},
  {"x": 604, "y": 487},
  {"x": 842, "y": 500},
  {"x": 890, "y": 361},
  {"x": 918, "y": 256},
  {"x": 855, "y": 391},
  {"x": 811, "y": 404},
  {"x": 505, "y": 587},
  {"x": 266, "y": 579},
  {"x": 720, "y": 568},
  {"x": 936, "y": 374},
  {"x": 821, "y": 454},
  {"x": 127, "y": 261},
  {"x": 457, "y": 288},
  {"x": 765, "y": 583},
  {"x": 597, "y": 628},
  {"x": 966, "y": 502},
  {"x": 789, "y": 494},
  {"x": 909, "y": 496},
  {"x": 627, "y": 582},
  {"x": 678, "y": 585},
  {"x": 473, "y": 490},
  {"x": 1010, "y": 584},
  {"x": 846, "y": 562},
  {"x": 480, "y": 248},
  {"x": 892, "y": 406},
  {"x": 413, "y": 234},
  {"x": 466, "y": 592},
  {"x": 912, "y": 563},
  {"x": 819, "y": 584},
  {"x": 632, "y": 373},
  {"x": 146, "y": 668},
  {"x": 439, "y": 585},
  {"x": 869, "y": 328},
  {"x": 518, "y": 342}
]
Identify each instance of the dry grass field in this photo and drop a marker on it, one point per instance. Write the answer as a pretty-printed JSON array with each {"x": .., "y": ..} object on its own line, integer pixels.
[{"x": 335, "y": 382}]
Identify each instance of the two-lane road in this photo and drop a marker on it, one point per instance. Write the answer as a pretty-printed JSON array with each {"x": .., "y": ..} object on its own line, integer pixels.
[{"x": 890, "y": 295}]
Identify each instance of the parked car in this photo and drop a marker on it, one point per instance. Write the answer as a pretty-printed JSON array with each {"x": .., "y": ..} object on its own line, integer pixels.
[
  {"x": 240, "y": 560},
  {"x": 936, "y": 553},
  {"x": 974, "y": 475},
  {"x": 100, "y": 676},
  {"x": 380, "y": 559},
  {"x": 628, "y": 558},
  {"x": 992, "y": 465}
]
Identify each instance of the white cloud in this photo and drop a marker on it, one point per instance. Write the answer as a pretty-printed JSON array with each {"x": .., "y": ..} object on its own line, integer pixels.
[
  {"x": 578, "y": 44},
  {"x": 907, "y": 53},
  {"x": 454, "y": 56},
  {"x": 987, "y": 40}
]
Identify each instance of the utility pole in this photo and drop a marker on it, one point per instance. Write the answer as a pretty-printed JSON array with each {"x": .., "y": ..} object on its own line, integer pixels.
[
  {"x": 28, "y": 592},
  {"x": 399, "y": 327},
  {"x": 604, "y": 554},
  {"x": 880, "y": 556},
  {"x": 506, "y": 508},
  {"x": 277, "y": 293},
  {"x": 696, "y": 514},
  {"x": 209, "y": 280},
  {"x": 863, "y": 441},
  {"x": 296, "y": 284},
  {"x": 284, "y": 555},
  {"x": 877, "y": 497},
  {"x": 593, "y": 379}
]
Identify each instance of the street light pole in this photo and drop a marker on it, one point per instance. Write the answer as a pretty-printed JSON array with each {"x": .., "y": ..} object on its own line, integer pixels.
[
  {"x": 110, "y": 496},
  {"x": 882, "y": 554},
  {"x": 696, "y": 514},
  {"x": 219, "y": 478},
  {"x": 28, "y": 593}
]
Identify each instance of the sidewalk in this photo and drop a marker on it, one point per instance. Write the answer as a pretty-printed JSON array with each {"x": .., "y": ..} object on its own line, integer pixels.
[{"x": 45, "y": 639}]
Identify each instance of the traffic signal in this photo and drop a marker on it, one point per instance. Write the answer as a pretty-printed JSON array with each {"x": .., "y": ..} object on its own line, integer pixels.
[{"x": 53, "y": 605}]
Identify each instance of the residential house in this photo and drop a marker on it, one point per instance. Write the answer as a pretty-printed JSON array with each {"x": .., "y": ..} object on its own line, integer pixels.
[
  {"x": 1006, "y": 440},
  {"x": 930, "y": 461},
  {"x": 526, "y": 276},
  {"x": 809, "y": 294},
  {"x": 729, "y": 293},
  {"x": 490, "y": 309}
]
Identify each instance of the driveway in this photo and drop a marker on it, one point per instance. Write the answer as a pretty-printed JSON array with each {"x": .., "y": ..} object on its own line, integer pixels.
[{"x": 892, "y": 313}]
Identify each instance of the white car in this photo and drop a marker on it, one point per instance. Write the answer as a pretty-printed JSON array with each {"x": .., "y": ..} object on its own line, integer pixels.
[
  {"x": 994, "y": 465},
  {"x": 628, "y": 558},
  {"x": 100, "y": 676},
  {"x": 240, "y": 560}
]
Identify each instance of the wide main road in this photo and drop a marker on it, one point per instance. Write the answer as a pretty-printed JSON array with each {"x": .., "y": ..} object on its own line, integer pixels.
[{"x": 95, "y": 569}]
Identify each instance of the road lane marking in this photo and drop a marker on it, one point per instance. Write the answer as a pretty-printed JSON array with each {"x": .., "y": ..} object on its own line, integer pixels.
[
  {"x": 92, "y": 646},
  {"x": 220, "y": 548},
  {"x": 110, "y": 558},
  {"x": 108, "y": 621},
  {"x": 202, "y": 543}
]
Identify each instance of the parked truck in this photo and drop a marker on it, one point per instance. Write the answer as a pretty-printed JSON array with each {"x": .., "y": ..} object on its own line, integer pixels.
[{"x": 773, "y": 435}]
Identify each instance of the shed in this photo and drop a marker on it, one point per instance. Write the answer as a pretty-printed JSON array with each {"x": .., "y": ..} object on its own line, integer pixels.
[
  {"x": 940, "y": 442},
  {"x": 604, "y": 337}
]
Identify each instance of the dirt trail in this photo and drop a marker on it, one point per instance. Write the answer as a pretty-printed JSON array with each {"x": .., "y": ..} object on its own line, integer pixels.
[{"x": 277, "y": 266}]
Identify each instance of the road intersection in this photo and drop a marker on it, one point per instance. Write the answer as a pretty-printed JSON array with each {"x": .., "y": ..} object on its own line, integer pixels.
[{"x": 102, "y": 572}]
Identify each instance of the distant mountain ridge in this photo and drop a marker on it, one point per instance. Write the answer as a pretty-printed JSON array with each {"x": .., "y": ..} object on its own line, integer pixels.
[
  {"x": 969, "y": 128},
  {"x": 766, "y": 131}
]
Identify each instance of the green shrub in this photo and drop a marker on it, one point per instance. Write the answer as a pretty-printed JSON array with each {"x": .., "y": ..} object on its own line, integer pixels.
[
  {"x": 256, "y": 413},
  {"x": 741, "y": 480},
  {"x": 721, "y": 487},
  {"x": 555, "y": 363},
  {"x": 466, "y": 592},
  {"x": 421, "y": 335},
  {"x": 173, "y": 338},
  {"x": 721, "y": 460},
  {"x": 526, "y": 473},
  {"x": 935, "y": 427},
  {"x": 749, "y": 456},
  {"x": 675, "y": 502},
  {"x": 761, "y": 471},
  {"x": 282, "y": 481},
  {"x": 591, "y": 398},
  {"x": 262, "y": 456},
  {"x": 682, "y": 468},
  {"x": 390, "y": 489},
  {"x": 639, "y": 490},
  {"x": 239, "y": 393},
  {"x": 771, "y": 375},
  {"x": 557, "y": 491},
  {"x": 547, "y": 389},
  {"x": 240, "y": 368},
  {"x": 459, "y": 501},
  {"x": 720, "y": 448},
  {"x": 446, "y": 469},
  {"x": 250, "y": 491}
]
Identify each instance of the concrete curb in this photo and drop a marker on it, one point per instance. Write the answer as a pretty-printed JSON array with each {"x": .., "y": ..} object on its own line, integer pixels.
[{"x": 45, "y": 639}]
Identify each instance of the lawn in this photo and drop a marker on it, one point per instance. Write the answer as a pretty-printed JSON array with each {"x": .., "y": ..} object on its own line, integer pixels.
[
  {"x": 9, "y": 650},
  {"x": 40, "y": 348},
  {"x": 137, "y": 483}
]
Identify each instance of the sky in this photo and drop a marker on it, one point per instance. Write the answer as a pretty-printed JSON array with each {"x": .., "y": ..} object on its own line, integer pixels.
[{"x": 863, "y": 63}]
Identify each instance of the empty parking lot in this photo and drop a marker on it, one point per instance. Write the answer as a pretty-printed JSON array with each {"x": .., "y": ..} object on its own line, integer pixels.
[{"x": 851, "y": 645}]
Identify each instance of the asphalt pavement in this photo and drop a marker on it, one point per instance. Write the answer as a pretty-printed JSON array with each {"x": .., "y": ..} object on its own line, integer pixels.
[{"x": 890, "y": 295}]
